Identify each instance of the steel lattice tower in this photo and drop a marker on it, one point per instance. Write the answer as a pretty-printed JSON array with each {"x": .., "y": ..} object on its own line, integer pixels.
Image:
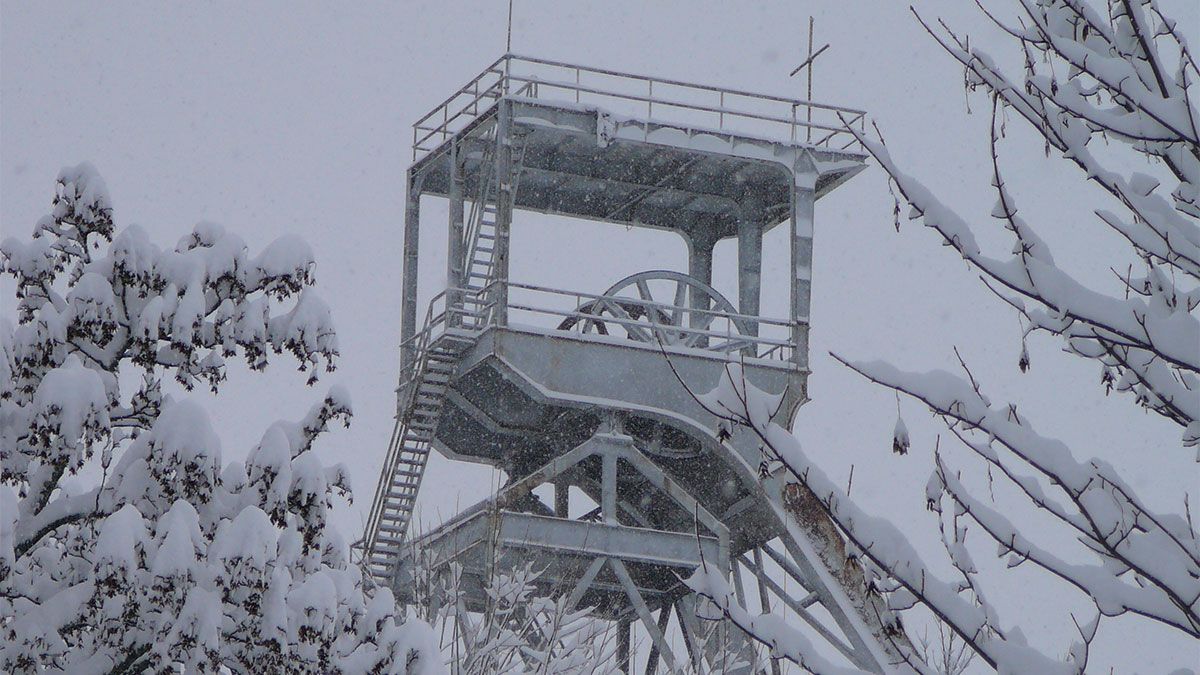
[{"x": 586, "y": 390}]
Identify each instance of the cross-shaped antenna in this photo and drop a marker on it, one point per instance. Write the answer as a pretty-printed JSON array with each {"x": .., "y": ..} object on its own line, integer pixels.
[{"x": 807, "y": 63}]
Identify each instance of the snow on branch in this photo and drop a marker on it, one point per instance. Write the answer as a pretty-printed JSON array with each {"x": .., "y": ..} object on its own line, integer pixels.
[
  {"x": 1150, "y": 562},
  {"x": 1101, "y": 89},
  {"x": 175, "y": 560},
  {"x": 893, "y": 567}
]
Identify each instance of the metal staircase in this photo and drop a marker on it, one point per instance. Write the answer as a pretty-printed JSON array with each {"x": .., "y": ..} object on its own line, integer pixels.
[
  {"x": 481, "y": 236},
  {"x": 422, "y": 395}
]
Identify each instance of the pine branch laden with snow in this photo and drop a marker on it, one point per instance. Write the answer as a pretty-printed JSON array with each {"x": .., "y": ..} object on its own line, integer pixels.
[{"x": 175, "y": 559}]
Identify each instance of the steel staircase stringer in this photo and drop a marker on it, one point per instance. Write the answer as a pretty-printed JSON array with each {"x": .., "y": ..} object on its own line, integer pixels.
[{"x": 422, "y": 397}]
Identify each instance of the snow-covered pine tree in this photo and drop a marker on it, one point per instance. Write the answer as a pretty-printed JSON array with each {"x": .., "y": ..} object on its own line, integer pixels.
[
  {"x": 169, "y": 557},
  {"x": 1104, "y": 88}
]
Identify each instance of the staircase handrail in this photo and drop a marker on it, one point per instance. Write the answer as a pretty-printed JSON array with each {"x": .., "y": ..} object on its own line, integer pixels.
[{"x": 406, "y": 394}]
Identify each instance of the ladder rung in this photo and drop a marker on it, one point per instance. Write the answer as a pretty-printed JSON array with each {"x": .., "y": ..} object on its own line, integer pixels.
[{"x": 387, "y": 551}]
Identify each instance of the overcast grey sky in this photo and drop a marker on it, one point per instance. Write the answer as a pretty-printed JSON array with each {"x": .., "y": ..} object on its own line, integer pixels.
[{"x": 273, "y": 118}]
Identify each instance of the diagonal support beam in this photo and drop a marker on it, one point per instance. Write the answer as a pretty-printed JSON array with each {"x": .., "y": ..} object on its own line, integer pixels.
[
  {"x": 584, "y": 583},
  {"x": 766, "y": 583},
  {"x": 664, "y": 618},
  {"x": 643, "y": 612},
  {"x": 764, "y": 598}
]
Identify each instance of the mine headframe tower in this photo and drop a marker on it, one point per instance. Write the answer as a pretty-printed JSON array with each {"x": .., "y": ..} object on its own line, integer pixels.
[{"x": 590, "y": 391}]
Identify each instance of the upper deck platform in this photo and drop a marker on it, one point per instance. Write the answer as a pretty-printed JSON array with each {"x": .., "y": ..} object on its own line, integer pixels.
[{"x": 636, "y": 150}]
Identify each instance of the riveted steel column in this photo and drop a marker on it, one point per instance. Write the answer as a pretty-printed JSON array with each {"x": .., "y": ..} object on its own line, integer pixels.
[
  {"x": 408, "y": 306},
  {"x": 455, "y": 256},
  {"x": 562, "y": 499},
  {"x": 700, "y": 264},
  {"x": 750, "y": 236},
  {"x": 504, "y": 209},
  {"x": 608, "y": 488},
  {"x": 624, "y": 646},
  {"x": 803, "y": 199}
]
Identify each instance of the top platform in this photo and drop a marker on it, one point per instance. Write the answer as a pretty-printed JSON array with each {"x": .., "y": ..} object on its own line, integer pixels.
[{"x": 638, "y": 150}]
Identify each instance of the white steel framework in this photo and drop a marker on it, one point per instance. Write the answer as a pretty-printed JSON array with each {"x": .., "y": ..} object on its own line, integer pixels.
[{"x": 590, "y": 391}]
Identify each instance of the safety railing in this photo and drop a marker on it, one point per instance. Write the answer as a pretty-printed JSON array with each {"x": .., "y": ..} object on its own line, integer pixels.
[
  {"x": 605, "y": 318},
  {"x": 471, "y": 310},
  {"x": 635, "y": 319},
  {"x": 651, "y": 98}
]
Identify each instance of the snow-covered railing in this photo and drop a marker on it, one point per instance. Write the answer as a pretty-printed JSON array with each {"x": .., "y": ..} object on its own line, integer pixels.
[
  {"x": 670, "y": 101},
  {"x": 605, "y": 318},
  {"x": 673, "y": 327}
]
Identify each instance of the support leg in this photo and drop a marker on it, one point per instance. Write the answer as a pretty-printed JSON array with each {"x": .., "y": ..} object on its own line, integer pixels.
[
  {"x": 455, "y": 248},
  {"x": 690, "y": 635},
  {"x": 562, "y": 504},
  {"x": 624, "y": 652},
  {"x": 750, "y": 236},
  {"x": 700, "y": 263},
  {"x": 408, "y": 307},
  {"x": 764, "y": 599},
  {"x": 803, "y": 199},
  {"x": 664, "y": 619},
  {"x": 608, "y": 488},
  {"x": 639, "y": 605},
  {"x": 505, "y": 197}
]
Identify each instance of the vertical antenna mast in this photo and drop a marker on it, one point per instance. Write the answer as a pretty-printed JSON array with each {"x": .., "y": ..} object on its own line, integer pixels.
[
  {"x": 807, "y": 131},
  {"x": 807, "y": 63},
  {"x": 508, "y": 41}
]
